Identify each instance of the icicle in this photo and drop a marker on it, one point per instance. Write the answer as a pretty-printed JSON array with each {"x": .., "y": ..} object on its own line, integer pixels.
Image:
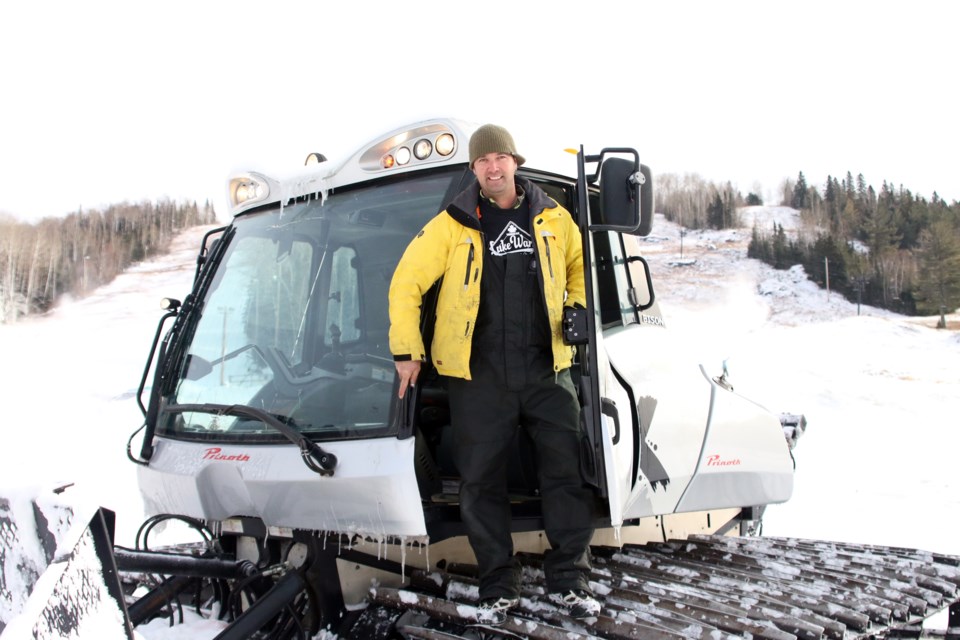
[
  {"x": 383, "y": 527},
  {"x": 303, "y": 186}
]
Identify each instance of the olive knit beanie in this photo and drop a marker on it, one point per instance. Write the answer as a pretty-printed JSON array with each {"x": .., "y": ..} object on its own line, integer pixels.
[{"x": 492, "y": 139}]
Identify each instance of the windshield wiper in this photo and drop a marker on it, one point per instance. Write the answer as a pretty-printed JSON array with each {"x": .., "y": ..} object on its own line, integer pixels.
[{"x": 318, "y": 460}]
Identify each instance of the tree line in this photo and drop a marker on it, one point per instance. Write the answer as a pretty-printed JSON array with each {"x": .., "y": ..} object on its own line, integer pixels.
[
  {"x": 41, "y": 262},
  {"x": 695, "y": 203},
  {"x": 888, "y": 248}
]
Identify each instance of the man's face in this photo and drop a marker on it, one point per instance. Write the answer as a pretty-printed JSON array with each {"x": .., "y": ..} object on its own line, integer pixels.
[{"x": 495, "y": 172}]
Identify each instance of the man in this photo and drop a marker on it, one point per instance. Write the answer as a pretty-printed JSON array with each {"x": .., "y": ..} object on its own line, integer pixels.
[{"x": 511, "y": 259}]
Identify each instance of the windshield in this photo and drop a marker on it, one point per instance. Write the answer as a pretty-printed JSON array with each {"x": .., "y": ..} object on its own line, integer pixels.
[{"x": 295, "y": 320}]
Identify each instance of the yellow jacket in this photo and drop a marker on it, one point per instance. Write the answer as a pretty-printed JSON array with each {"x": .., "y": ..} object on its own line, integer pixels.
[{"x": 450, "y": 246}]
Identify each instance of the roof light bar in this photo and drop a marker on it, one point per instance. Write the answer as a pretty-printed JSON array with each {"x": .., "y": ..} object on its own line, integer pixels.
[{"x": 429, "y": 143}]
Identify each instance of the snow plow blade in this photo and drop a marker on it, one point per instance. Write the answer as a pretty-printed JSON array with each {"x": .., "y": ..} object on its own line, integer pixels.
[{"x": 59, "y": 579}]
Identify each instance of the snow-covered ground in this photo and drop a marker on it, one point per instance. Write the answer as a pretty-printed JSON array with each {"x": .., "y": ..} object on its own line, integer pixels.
[{"x": 881, "y": 392}]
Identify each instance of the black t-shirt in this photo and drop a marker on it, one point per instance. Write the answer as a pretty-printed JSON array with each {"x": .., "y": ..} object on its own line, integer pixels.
[
  {"x": 512, "y": 338},
  {"x": 506, "y": 231}
]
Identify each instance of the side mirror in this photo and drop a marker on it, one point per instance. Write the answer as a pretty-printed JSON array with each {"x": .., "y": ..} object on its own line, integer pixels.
[{"x": 626, "y": 197}]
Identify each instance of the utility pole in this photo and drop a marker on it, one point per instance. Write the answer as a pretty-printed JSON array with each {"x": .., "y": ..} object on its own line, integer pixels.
[
  {"x": 681, "y": 233},
  {"x": 859, "y": 284}
]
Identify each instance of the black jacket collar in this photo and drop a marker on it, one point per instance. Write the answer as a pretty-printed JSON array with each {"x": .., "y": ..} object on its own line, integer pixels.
[{"x": 463, "y": 209}]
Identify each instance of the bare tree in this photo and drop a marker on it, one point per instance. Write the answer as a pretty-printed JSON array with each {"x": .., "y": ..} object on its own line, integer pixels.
[
  {"x": 74, "y": 254},
  {"x": 696, "y": 203}
]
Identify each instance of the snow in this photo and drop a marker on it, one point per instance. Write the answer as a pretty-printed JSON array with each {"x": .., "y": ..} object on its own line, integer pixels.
[{"x": 880, "y": 391}]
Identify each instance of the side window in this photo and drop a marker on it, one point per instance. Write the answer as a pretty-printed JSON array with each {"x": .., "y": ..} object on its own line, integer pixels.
[
  {"x": 626, "y": 276},
  {"x": 343, "y": 306},
  {"x": 608, "y": 261},
  {"x": 618, "y": 279}
]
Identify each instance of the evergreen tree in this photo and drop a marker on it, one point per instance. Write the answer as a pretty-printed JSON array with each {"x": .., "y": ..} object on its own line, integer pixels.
[
  {"x": 831, "y": 196},
  {"x": 715, "y": 212},
  {"x": 826, "y": 251},
  {"x": 939, "y": 269},
  {"x": 913, "y": 214},
  {"x": 759, "y": 247},
  {"x": 799, "y": 198},
  {"x": 780, "y": 247},
  {"x": 861, "y": 196},
  {"x": 881, "y": 235}
]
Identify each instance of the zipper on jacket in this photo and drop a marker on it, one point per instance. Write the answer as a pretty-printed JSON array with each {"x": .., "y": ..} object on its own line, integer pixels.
[
  {"x": 466, "y": 275},
  {"x": 546, "y": 243}
]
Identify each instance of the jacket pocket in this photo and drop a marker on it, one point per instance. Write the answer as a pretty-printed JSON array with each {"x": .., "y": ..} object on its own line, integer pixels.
[
  {"x": 466, "y": 272},
  {"x": 548, "y": 240}
]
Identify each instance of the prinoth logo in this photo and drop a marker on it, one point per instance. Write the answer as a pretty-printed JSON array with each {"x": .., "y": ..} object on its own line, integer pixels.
[
  {"x": 216, "y": 453},
  {"x": 716, "y": 461}
]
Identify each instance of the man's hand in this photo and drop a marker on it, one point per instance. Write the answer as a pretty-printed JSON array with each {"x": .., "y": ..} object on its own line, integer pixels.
[{"x": 408, "y": 370}]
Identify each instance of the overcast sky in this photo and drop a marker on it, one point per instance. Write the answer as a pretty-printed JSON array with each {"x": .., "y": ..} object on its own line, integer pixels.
[{"x": 102, "y": 101}]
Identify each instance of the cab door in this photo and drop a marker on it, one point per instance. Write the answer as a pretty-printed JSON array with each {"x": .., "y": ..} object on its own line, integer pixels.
[
  {"x": 611, "y": 453},
  {"x": 620, "y": 440},
  {"x": 652, "y": 419},
  {"x": 611, "y": 205}
]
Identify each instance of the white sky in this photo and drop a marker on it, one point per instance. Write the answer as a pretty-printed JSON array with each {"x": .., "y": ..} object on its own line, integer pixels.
[{"x": 105, "y": 101}]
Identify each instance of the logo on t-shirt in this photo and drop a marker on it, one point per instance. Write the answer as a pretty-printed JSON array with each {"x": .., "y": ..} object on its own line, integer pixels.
[{"x": 512, "y": 239}]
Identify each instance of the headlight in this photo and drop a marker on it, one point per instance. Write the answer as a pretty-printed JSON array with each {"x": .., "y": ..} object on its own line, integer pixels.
[
  {"x": 422, "y": 149},
  {"x": 445, "y": 144},
  {"x": 247, "y": 189}
]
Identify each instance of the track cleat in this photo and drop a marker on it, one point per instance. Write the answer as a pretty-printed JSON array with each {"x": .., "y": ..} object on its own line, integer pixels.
[
  {"x": 493, "y": 611},
  {"x": 576, "y": 603}
]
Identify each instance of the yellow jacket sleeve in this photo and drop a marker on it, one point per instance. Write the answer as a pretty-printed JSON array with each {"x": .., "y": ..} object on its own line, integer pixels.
[
  {"x": 576, "y": 289},
  {"x": 422, "y": 264}
]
